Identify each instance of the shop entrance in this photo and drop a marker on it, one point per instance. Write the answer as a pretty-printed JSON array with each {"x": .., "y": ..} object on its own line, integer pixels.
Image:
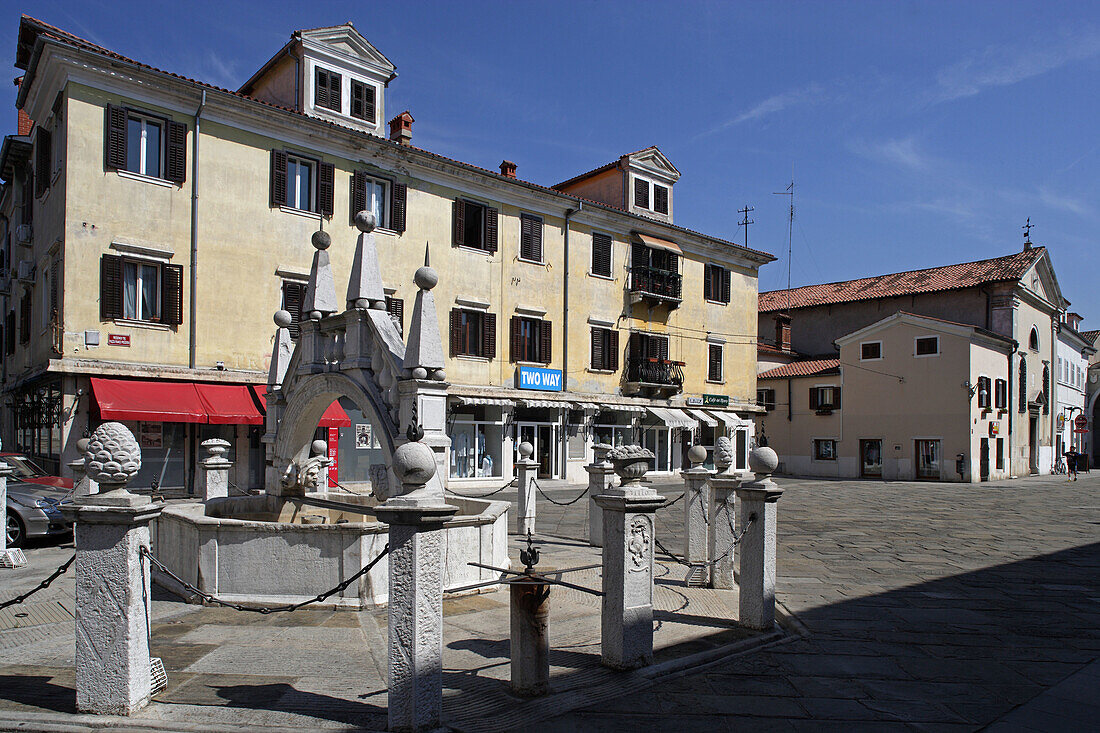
[
  {"x": 544, "y": 437},
  {"x": 870, "y": 452},
  {"x": 983, "y": 460}
]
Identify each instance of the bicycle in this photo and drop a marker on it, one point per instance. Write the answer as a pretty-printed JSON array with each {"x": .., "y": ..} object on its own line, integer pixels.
[{"x": 1059, "y": 468}]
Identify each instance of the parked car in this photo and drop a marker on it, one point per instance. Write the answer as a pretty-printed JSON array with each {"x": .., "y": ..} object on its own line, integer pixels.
[{"x": 34, "y": 501}]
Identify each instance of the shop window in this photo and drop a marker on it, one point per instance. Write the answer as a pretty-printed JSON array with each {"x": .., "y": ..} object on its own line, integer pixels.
[
  {"x": 475, "y": 225},
  {"x": 473, "y": 333},
  {"x": 146, "y": 144},
  {"x": 531, "y": 340},
  {"x": 140, "y": 290},
  {"x": 824, "y": 449},
  {"x": 476, "y": 449}
]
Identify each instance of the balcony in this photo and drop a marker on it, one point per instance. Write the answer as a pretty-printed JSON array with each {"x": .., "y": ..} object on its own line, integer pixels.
[
  {"x": 653, "y": 376},
  {"x": 652, "y": 284}
]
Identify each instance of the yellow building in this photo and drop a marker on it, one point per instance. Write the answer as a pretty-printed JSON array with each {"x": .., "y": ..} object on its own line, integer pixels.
[{"x": 174, "y": 217}]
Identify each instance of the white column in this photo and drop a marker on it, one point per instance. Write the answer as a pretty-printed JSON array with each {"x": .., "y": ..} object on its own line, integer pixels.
[
  {"x": 526, "y": 469},
  {"x": 757, "y": 522},
  {"x": 601, "y": 477},
  {"x": 215, "y": 468},
  {"x": 12, "y": 558},
  {"x": 696, "y": 530},
  {"x": 722, "y": 523}
]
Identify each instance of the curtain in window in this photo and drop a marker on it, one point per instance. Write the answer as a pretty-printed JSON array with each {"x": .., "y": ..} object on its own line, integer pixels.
[
  {"x": 378, "y": 200},
  {"x": 129, "y": 290},
  {"x": 148, "y": 291}
]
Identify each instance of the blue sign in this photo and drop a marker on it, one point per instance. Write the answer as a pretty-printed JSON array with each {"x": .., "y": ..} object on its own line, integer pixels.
[{"x": 547, "y": 380}]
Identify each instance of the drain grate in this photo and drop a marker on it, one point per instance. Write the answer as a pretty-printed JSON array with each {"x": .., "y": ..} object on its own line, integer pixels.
[
  {"x": 13, "y": 558},
  {"x": 158, "y": 678},
  {"x": 696, "y": 576}
]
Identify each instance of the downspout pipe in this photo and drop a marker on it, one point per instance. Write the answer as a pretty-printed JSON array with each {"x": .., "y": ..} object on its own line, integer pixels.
[
  {"x": 193, "y": 301},
  {"x": 565, "y": 300}
]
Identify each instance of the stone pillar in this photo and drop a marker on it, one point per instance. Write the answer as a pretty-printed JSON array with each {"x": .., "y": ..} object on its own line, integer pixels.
[
  {"x": 530, "y": 650},
  {"x": 627, "y": 608},
  {"x": 696, "y": 531},
  {"x": 756, "y": 519},
  {"x": 526, "y": 468},
  {"x": 216, "y": 467},
  {"x": 722, "y": 523},
  {"x": 416, "y": 518},
  {"x": 112, "y": 579},
  {"x": 601, "y": 477}
]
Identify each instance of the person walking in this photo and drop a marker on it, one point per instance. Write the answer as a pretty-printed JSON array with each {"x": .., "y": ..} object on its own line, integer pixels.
[{"x": 1071, "y": 464}]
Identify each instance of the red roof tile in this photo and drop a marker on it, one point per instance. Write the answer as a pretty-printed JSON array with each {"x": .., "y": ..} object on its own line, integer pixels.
[
  {"x": 803, "y": 369},
  {"x": 930, "y": 280},
  {"x": 1090, "y": 336}
]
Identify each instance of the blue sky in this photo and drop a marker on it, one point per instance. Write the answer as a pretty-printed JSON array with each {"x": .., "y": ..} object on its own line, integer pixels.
[{"x": 918, "y": 134}]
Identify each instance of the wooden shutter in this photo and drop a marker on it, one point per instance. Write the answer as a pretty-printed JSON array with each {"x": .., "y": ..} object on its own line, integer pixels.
[
  {"x": 43, "y": 161},
  {"x": 326, "y": 185},
  {"x": 660, "y": 199},
  {"x": 293, "y": 295},
  {"x": 598, "y": 358},
  {"x": 714, "y": 362},
  {"x": 28, "y": 196},
  {"x": 725, "y": 294},
  {"x": 708, "y": 273},
  {"x": 110, "y": 287},
  {"x": 54, "y": 291},
  {"x": 115, "y": 139},
  {"x": 396, "y": 308},
  {"x": 814, "y": 398},
  {"x": 171, "y": 295},
  {"x": 491, "y": 229},
  {"x": 456, "y": 331},
  {"x": 641, "y": 193},
  {"x": 673, "y": 262},
  {"x": 637, "y": 347},
  {"x": 546, "y": 343},
  {"x": 639, "y": 255},
  {"x": 368, "y": 102},
  {"x": 278, "y": 177},
  {"x": 320, "y": 88},
  {"x": 612, "y": 354},
  {"x": 175, "y": 164},
  {"x": 358, "y": 193},
  {"x": 517, "y": 338},
  {"x": 334, "y": 96},
  {"x": 662, "y": 348},
  {"x": 601, "y": 254},
  {"x": 25, "y": 317},
  {"x": 489, "y": 335},
  {"x": 398, "y": 195},
  {"x": 526, "y": 238},
  {"x": 836, "y": 398},
  {"x": 460, "y": 222}
]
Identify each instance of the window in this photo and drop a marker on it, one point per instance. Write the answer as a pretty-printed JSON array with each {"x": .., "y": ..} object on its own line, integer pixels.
[
  {"x": 714, "y": 362},
  {"x": 531, "y": 340},
  {"x": 766, "y": 399},
  {"x": 984, "y": 393},
  {"x": 9, "y": 332},
  {"x": 824, "y": 398},
  {"x": 298, "y": 182},
  {"x": 928, "y": 459},
  {"x": 605, "y": 349},
  {"x": 473, "y": 333},
  {"x": 384, "y": 198},
  {"x": 362, "y": 100},
  {"x": 1022, "y": 401},
  {"x": 660, "y": 199},
  {"x": 530, "y": 238},
  {"x": 601, "y": 254},
  {"x": 824, "y": 449},
  {"x": 25, "y": 317},
  {"x": 1033, "y": 339},
  {"x": 294, "y": 294},
  {"x": 1000, "y": 394},
  {"x": 716, "y": 283},
  {"x": 140, "y": 290},
  {"x": 326, "y": 90},
  {"x": 1000, "y": 453},
  {"x": 928, "y": 346},
  {"x": 1046, "y": 390},
  {"x": 641, "y": 193},
  {"x": 475, "y": 225},
  {"x": 146, "y": 144},
  {"x": 43, "y": 161},
  {"x": 870, "y": 351},
  {"x": 396, "y": 308},
  {"x": 651, "y": 196}
]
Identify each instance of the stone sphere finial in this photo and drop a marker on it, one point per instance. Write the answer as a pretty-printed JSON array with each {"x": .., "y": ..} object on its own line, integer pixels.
[
  {"x": 113, "y": 455},
  {"x": 425, "y": 277},
  {"x": 319, "y": 447},
  {"x": 283, "y": 319},
  {"x": 723, "y": 453},
  {"x": 697, "y": 454},
  {"x": 365, "y": 221},
  {"x": 413, "y": 463},
  {"x": 526, "y": 450},
  {"x": 763, "y": 461},
  {"x": 321, "y": 239}
]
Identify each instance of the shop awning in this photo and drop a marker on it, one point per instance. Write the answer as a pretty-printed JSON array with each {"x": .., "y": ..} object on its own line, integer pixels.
[
  {"x": 333, "y": 417},
  {"x": 586, "y": 406},
  {"x": 229, "y": 404},
  {"x": 493, "y": 401},
  {"x": 552, "y": 404},
  {"x": 706, "y": 419},
  {"x": 731, "y": 420},
  {"x": 673, "y": 418},
  {"x": 624, "y": 408},
  {"x": 155, "y": 401},
  {"x": 658, "y": 243}
]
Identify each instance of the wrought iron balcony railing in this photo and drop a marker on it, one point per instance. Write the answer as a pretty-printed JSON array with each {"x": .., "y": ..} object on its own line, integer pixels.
[
  {"x": 655, "y": 371},
  {"x": 660, "y": 284}
]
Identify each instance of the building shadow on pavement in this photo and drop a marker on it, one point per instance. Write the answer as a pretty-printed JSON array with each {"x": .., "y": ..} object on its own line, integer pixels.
[
  {"x": 38, "y": 692},
  {"x": 285, "y": 698}
]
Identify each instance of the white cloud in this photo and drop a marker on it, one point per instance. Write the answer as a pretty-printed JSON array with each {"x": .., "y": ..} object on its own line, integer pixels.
[
  {"x": 902, "y": 153},
  {"x": 1064, "y": 203},
  {"x": 811, "y": 94}
]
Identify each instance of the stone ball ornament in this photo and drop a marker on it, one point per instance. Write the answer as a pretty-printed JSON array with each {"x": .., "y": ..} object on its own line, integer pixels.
[
  {"x": 419, "y": 373},
  {"x": 365, "y": 221},
  {"x": 321, "y": 239},
  {"x": 763, "y": 461},
  {"x": 697, "y": 454},
  {"x": 526, "y": 450},
  {"x": 319, "y": 447},
  {"x": 283, "y": 319},
  {"x": 426, "y": 277},
  {"x": 413, "y": 463},
  {"x": 113, "y": 455}
]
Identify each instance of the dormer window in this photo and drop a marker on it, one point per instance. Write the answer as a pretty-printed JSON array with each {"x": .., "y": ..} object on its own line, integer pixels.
[
  {"x": 650, "y": 196},
  {"x": 362, "y": 101},
  {"x": 326, "y": 90}
]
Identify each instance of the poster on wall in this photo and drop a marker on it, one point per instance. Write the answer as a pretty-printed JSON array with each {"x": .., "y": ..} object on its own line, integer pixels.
[
  {"x": 152, "y": 435},
  {"x": 362, "y": 436}
]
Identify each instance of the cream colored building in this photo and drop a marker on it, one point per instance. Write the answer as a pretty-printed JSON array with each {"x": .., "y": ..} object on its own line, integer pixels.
[
  {"x": 908, "y": 398},
  {"x": 177, "y": 218}
]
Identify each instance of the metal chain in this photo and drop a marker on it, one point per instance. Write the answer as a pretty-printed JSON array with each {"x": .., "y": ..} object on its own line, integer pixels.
[
  {"x": 41, "y": 586},
  {"x": 480, "y": 496},
  {"x": 559, "y": 503},
  {"x": 675, "y": 558},
  {"x": 736, "y": 541},
  {"x": 667, "y": 504},
  {"x": 145, "y": 551}
]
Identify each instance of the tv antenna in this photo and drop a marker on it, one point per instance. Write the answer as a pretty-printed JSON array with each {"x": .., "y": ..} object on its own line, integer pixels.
[
  {"x": 745, "y": 221},
  {"x": 790, "y": 233}
]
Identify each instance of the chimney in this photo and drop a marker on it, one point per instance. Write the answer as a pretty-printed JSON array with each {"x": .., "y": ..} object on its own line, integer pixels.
[
  {"x": 24, "y": 124},
  {"x": 783, "y": 332},
  {"x": 508, "y": 168},
  {"x": 401, "y": 128}
]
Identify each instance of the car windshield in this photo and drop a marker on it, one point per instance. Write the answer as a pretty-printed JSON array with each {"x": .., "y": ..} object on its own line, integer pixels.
[{"x": 24, "y": 467}]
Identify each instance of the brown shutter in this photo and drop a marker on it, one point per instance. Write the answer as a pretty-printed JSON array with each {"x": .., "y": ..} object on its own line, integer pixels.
[
  {"x": 396, "y": 308},
  {"x": 836, "y": 398},
  {"x": 714, "y": 362},
  {"x": 491, "y": 229},
  {"x": 545, "y": 342},
  {"x": 517, "y": 338},
  {"x": 641, "y": 193},
  {"x": 54, "y": 288},
  {"x": 278, "y": 178},
  {"x": 110, "y": 287},
  {"x": 358, "y": 193},
  {"x": 456, "y": 330},
  {"x": 489, "y": 336},
  {"x": 613, "y": 351},
  {"x": 175, "y": 164},
  {"x": 601, "y": 254},
  {"x": 293, "y": 295},
  {"x": 368, "y": 106},
  {"x": 43, "y": 161},
  {"x": 460, "y": 221},
  {"x": 597, "y": 349},
  {"x": 662, "y": 348},
  {"x": 171, "y": 295},
  {"x": 326, "y": 186},
  {"x": 814, "y": 403},
  {"x": 398, "y": 194},
  {"x": 639, "y": 255},
  {"x": 334, "y": 96},
  {"x": 725, "y": 285},
  {"x": 320, "y": 89},
  {"x": 526, "y": 238},
  {"x": 28, "y": 196},
  {"x": 115, "y": 139},
  {"x": 708, "y": 271},
  {"x": 660, "y": 199}
]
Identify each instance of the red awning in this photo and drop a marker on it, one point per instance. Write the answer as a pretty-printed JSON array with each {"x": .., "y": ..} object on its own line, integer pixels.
[
  {"x": 131, "y": 399},
  {"x": 334, "y": 416},
  {"x": 229, "y": 404}
]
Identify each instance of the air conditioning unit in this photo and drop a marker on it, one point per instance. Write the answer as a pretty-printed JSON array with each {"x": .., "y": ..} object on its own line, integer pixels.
[
  {"x": 26, "y": 271},
  {"x": 24, "y": 234}
]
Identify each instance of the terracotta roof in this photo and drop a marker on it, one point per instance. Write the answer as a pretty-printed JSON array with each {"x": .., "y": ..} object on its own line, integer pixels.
[
  {"x": 816, "y": 367},
  {"x": 1090, "y": 336},
  {"x": 602, "y": 168},
  {"x": 763, "y": 347},
  {"x": 65, "y": 37},
  {"x": 930, "y": 280}
]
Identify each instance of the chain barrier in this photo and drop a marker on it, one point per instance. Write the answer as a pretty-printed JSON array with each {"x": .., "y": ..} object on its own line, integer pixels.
[
  {"x": 736, "y": 541},
  {"x": 207, "y": 597},
  {"x": 667, "y": 504},
  {"x": 664, "y": 550},
  {"x": 41, "y": 586},
  {"x": 480, "y": 496},
  {"x": 559, "y": 503}
]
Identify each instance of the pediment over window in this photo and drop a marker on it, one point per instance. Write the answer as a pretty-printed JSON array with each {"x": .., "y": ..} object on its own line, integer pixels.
[
  {"x": 348, "y": 42},
  {"x": 654, "y": 161}
]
